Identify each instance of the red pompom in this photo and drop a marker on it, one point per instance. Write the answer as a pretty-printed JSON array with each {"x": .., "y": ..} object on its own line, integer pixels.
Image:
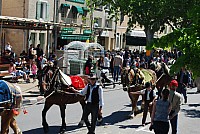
[{"x": 77, "y": 82}]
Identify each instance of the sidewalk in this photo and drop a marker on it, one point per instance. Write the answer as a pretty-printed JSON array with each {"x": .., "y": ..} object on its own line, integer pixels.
[{"x": 30, "y": 91}]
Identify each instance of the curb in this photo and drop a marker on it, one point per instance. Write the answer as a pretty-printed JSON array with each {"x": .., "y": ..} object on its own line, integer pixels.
[{"x": 30, "y": 101}]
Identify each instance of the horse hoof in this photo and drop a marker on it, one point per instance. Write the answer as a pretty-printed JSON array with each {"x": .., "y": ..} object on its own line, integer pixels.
[
  {"x": 45, "y": 128},
  {"x": 100, "y": 121},
  {"x": 62, "y": 130},
  {"x": 131, "y": 115},
  {"x": 80, "y": 124}
]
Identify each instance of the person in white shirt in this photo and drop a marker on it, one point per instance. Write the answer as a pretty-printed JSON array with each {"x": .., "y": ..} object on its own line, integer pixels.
[
  {"x": 106, "y": 61},
  {"x": 8, "y": 47},
  {"x": 149, "y": 98},
  {"x": 94, "y": 98}
]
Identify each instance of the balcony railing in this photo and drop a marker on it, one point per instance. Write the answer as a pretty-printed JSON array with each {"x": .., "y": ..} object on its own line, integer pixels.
[{"x": 77, "y": 21}]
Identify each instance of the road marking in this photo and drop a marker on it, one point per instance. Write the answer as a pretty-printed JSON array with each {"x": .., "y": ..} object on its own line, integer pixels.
[
  {"x": 148, "y": 131},
  {"x": 140, "y": 129},
  {"x": 143, "y": 129}
]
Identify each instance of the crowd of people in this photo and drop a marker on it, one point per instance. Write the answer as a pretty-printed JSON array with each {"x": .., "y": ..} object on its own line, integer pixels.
[
  {"x": 161, "y": 110},
  {"x": 30, "y": 63},
  {"x": 164, "y": 110}
]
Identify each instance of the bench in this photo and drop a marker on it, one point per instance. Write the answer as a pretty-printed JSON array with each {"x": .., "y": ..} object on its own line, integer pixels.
[
  {"x": 5, "y": 75},
  {"x": 4, "y": 67}
]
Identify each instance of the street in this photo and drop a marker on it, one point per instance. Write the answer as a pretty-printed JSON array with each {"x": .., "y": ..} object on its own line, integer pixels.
[{"x": 117, "y": 107}]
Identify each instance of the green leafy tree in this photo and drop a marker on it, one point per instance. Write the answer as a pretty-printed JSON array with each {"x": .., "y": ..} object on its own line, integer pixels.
[
  {"x": 187, "y": 40},
  {"x": 152, "y": 15}
]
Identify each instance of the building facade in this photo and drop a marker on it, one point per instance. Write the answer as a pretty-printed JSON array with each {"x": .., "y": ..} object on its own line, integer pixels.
[{"x": 20, "y": 39}]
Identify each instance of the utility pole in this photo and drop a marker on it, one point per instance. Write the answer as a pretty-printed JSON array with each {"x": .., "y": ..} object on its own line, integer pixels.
[
  {"x": 92, "y": 19},
  {"x": 0, "y": 7},
  {"x": 55, "y": 20},
  {"x": 1, "y": 28}
]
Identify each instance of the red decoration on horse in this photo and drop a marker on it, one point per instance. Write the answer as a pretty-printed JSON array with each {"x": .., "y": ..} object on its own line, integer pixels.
[{"x": 77, "y": 82}]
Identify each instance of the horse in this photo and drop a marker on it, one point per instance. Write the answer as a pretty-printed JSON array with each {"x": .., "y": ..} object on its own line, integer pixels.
[
  {"x": 10, "y": 103},
  {"x": 163, "y": 75},
  {"x": 59, "y": 92},
  {"x": 130, "y": 83}
]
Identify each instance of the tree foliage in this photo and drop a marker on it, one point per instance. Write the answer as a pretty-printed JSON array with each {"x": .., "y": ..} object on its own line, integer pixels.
[
  {"x": 181, "y": 15},
  {"x": 187, "y": 40}
]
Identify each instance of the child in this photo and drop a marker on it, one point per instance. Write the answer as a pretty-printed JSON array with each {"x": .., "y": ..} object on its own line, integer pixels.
[
  {"x": 34, "y": 70},
  {"x": 26, "y": 69}
]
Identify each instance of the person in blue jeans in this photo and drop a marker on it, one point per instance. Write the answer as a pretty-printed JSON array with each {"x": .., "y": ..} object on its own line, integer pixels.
[
  {"x": 175, "y": 99},
  {"x": 117, "y": 63},
  {"x": 183, "y": 79}
]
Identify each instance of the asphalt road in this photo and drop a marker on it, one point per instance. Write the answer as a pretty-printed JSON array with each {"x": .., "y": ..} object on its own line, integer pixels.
[{"x": 117, "y": 107}]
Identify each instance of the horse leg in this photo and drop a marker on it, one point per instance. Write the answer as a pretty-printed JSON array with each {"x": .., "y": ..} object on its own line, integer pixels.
[
  {"x": 134, "y": 99},
  {"x": 81, "y": 123},
  {"x": 5, "y": 122},
  {"x": 62, "y": 112},
  {"x": 14, "y": 126},
  {"x": 44, "y": 111}
]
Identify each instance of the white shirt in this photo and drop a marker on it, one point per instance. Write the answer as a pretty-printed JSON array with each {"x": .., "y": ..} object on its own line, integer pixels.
[
  {"x": 8, "y": 47},
  {"x": 106, "y": 62},
  {"x": 100, "y": 92},
  {"x": 148, "y": 92}
]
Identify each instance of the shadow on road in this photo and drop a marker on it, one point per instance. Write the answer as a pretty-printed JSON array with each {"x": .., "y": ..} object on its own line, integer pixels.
[
  {"x": 192, "y": 113},
  {"x": 129, "y": 126},
  {"x": 116, "y": 117},
  {"x": 52, "y": 130},
  {"x": 194, "y": 105}
]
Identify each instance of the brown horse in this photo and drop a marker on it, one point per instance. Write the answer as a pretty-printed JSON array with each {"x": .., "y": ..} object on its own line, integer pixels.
[
  {"x": 59, "y": 94},
  {"x": 129, "y": 83},
  {"x": 163, "y": 75},
  {"x": 10, "y": 107}
]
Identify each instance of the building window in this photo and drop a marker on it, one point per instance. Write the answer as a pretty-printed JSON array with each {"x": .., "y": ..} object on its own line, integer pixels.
[
  {"x": 97, "y": 22},
  {"x": 42, "y": 10},
  {"x": 108, "y": 23}
]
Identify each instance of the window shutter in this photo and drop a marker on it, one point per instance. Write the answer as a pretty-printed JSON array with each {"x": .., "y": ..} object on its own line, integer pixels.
[
  {"x": 38, "y": 11},
  {"x": 47, "y": 12}
]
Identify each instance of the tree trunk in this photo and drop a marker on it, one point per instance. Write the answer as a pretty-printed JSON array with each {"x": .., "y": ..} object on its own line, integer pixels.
[{"x": 149, "y": 36}]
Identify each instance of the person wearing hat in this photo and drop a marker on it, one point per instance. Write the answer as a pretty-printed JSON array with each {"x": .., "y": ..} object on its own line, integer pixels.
[
  {"x": 149, "y": 98},
  {"x": 175, "y": 99},
  {"x": 94, "y": 98}
]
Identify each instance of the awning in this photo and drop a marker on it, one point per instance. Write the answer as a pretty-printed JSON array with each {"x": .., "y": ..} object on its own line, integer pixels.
[
  {"x": 74, "y": 37},
  {"x": 135, "y": 41},
  {"x": 77, "y": 1},
  {"x": 136, "y": 33},
  {"x": 79, "y": 9},
  {"x": 65, "y": 5},
  {"x": 85, "y": 8}
]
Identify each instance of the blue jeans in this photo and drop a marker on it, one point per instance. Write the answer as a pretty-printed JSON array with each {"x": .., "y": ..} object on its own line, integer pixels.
[
  {"x": 174, "y": 124},
  {"x": 184, "y": 92},
  {"x": 116, "y": 73}
]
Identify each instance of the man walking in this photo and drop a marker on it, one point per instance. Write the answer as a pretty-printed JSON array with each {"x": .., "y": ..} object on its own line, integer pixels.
[
  {"x": 175, "y": 100},
  {"x": 149, "y": 97},
  {"x": 117, "y": 66},
  {"x": 94, "y": 98},
  {"x": 183, "y": 79}
]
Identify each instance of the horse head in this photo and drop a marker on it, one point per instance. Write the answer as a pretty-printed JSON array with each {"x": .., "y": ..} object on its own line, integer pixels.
[{"x": 127, "y": 77}]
